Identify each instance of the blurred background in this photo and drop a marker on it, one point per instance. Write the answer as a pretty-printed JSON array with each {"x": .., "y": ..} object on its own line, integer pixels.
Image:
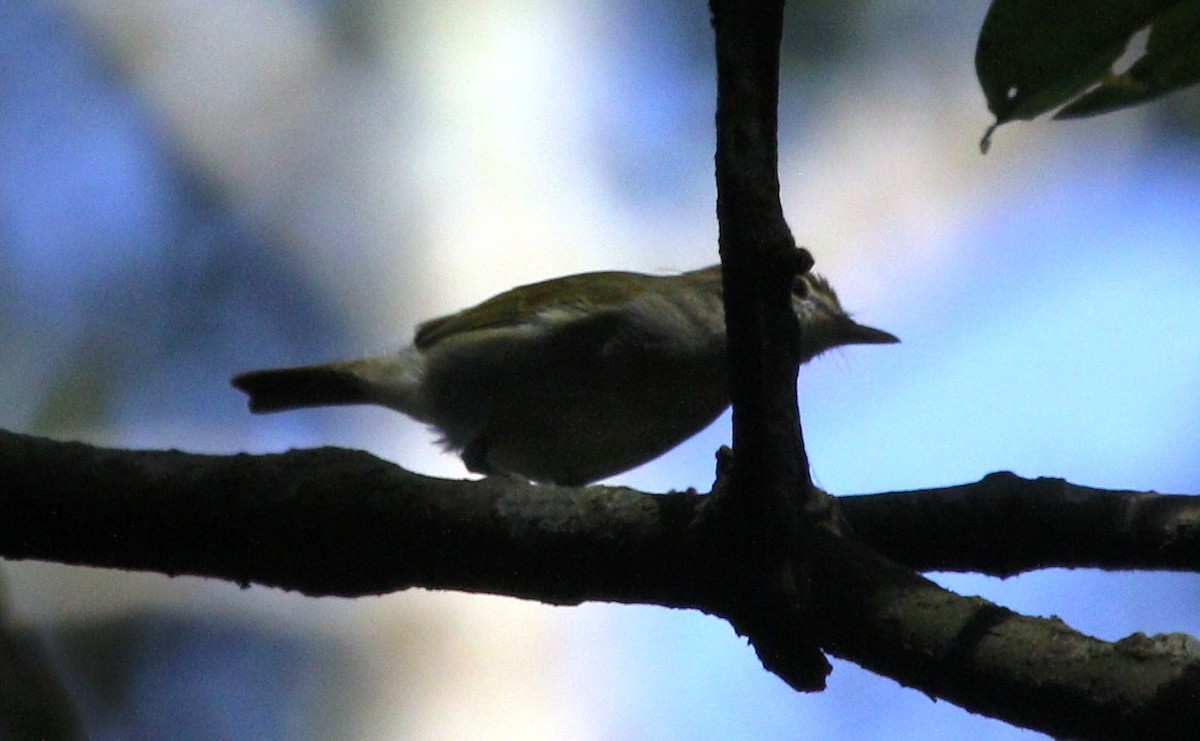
[{"x": 191, "y": 190}]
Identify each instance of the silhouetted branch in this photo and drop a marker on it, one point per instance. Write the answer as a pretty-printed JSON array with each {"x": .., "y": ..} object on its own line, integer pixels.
[
  {"x": 337, "y": 522},
  {"x": 769, "y": 504},
  {"x": 1004, "y": 525}
]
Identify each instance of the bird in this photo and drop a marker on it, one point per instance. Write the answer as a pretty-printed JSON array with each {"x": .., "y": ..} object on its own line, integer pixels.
[{"x": 565, "y": 381}]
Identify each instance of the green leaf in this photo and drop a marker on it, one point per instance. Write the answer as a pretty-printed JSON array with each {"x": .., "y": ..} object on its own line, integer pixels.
[
  {"x": 1037, "y": 55},
  {"x": 1171, "y": 61}
]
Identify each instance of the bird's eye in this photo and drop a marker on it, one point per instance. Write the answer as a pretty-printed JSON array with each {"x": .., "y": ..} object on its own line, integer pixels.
[{"x": 800, "y": 288}]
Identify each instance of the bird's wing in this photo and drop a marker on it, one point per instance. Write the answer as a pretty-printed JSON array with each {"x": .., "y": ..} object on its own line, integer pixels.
[{"x": 586, "y": 294}]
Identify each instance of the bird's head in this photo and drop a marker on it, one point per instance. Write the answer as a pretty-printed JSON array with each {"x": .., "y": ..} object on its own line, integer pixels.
[{"x": 824, "y": 323}]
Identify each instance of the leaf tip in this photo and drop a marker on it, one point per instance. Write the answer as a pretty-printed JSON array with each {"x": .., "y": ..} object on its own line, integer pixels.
[{"x": 986, "y": 142}]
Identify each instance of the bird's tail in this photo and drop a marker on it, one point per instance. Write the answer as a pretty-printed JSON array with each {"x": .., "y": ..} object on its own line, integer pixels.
[
  {"x": 281, "y": 389},
  {"x": 388, "y": 381}
]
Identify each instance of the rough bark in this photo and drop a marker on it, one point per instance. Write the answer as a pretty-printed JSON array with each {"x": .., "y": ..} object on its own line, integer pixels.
[
  {"x": 336, "y": 522},
  {"x": 769, "y": 507}
]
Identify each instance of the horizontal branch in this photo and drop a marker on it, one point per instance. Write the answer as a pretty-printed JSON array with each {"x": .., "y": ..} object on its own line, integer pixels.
[
  {"x": 337, "y": 522},
  {"x": 1005, "y": 525}
]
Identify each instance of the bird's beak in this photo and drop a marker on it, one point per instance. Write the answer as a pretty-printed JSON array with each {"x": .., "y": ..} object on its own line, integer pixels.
[{"x": 853, "y": 333}]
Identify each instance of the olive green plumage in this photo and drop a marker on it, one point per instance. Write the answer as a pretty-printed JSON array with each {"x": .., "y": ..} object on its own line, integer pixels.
[{"x": 568, "y": 380}]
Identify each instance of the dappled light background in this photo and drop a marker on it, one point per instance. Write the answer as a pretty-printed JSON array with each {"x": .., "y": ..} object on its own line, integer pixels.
[{"x": 192, "y": 190}]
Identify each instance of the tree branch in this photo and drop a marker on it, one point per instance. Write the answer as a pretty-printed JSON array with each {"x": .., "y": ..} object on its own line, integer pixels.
[
  {"x": 340, "y": 522},
  {"x": 1004, "y": 525},
  {"x": 1031, "y": 672},
  {"x": 769, "y": 504},
  {"x": 336, "y": 522}
]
